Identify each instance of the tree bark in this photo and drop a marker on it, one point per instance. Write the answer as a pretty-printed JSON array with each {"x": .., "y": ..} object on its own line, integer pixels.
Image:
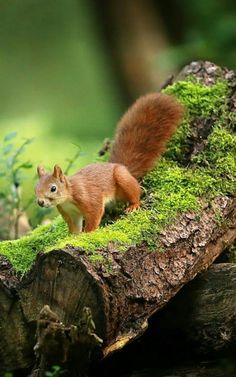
[
  {"x": 16, "y": 341},
  {"x": 71, "y": 308},
  {"x": 203, "y": 315},
  {"x": 141, "y": 282}
]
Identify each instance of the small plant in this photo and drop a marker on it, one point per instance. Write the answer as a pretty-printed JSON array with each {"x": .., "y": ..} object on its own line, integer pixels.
[
  {"x": 12, "y": 167},
  {"x": 55, "y": 372},
  {"x": 72, "y": 160}
]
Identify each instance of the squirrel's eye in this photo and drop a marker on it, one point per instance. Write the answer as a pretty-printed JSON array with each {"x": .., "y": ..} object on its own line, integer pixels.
[{"x": 53, "y": 188}]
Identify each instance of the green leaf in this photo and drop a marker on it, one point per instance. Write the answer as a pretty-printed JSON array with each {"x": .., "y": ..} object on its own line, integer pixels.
[
  {"x": 8, "y": 148},
  {"x": 20, "y": 150},
  {"x": 29, "y": 141},
  {"x": 9, "y": 161},
  {"x": 56, "y": 368},
  {"x": 25, "y": 165},
  {"x": 10, "y": 136}
]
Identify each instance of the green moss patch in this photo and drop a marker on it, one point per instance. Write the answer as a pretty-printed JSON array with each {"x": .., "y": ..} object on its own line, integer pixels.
[
  {"x": 170, "y": 189},
  {"x": 201, "y": 102}
]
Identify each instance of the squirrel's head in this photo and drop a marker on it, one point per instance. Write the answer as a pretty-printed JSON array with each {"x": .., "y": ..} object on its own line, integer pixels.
[{"x": 51, "y": 189}]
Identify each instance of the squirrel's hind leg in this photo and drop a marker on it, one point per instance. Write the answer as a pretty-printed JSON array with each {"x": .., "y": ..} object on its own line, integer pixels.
[
  {"x": 128, "y": 188},
  {"x": 93, "y": 217}
]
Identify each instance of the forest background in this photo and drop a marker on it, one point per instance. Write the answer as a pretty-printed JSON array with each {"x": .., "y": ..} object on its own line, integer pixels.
[{"x": 70, "y": 68}]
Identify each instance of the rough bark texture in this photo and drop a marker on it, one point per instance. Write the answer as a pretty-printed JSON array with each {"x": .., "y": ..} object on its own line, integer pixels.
[
  {"x": 141, "y": 282},
  {"x": 197, "y": 324},
  {"x": 203, "y": 314},
  {"x": 117, "y": 300},
  {"x": 16, "y": 341}
]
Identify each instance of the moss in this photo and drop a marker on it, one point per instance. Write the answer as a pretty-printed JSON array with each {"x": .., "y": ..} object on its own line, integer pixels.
[
  {"x": 170, "y": 189},
  {"x": 122, "y": 232},
  {"x": 200, "y": 102},
  {"x": 179, "y": 144},
  {"x": 219, "y": 160},
  {"x": 21, "y": 253}
]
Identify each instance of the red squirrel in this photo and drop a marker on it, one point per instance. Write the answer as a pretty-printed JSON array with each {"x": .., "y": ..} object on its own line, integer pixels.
[{"x": 141, "y": 137}]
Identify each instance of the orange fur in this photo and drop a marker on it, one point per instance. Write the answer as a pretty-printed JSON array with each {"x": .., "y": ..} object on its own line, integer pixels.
[
  {"x": 141, "y": 138},
  {"x": 144, "y": 130}
]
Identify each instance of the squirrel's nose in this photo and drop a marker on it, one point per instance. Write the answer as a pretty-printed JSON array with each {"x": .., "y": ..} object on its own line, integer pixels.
[{"x": 41, "y": 202}]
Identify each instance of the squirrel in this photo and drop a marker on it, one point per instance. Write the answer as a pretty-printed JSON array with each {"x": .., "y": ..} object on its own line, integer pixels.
[{"x": 141, "y": 138}]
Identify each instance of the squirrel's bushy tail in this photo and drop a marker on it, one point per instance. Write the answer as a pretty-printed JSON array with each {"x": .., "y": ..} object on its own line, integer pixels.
[{"x": 144, "y": 130}]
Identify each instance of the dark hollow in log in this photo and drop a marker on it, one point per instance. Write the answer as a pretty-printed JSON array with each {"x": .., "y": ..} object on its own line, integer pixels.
[{"x": 202, "y": 316}]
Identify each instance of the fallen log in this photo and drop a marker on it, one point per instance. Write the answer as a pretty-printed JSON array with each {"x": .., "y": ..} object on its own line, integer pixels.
[
  {"x": 197, "y": 326},
  {"x": 16, "y": 342},
  {"x": 124, "y": 272},
  {"x": 202, "y": 316},
  {"x": 139, "y": 281}
]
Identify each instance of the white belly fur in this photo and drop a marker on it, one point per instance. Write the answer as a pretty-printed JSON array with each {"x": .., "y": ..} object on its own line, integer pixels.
[
  {"x": 74, "y": 213},
  {"x": 109, "y": 199}
]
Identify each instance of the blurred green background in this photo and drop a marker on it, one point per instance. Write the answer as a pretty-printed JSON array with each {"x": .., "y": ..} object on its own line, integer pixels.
[
  {"x": 56, "y": 83},
  {"x": 70, "y": 68}
]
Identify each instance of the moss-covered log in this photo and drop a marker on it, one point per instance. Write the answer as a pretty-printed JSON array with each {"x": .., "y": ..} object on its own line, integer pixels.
[{"x": 129, "y": 269}]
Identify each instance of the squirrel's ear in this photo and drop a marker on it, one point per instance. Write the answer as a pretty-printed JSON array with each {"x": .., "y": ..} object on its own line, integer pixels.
[
  {"x": 41, "y": 171},
  {"x": 57, "y": 172}
]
